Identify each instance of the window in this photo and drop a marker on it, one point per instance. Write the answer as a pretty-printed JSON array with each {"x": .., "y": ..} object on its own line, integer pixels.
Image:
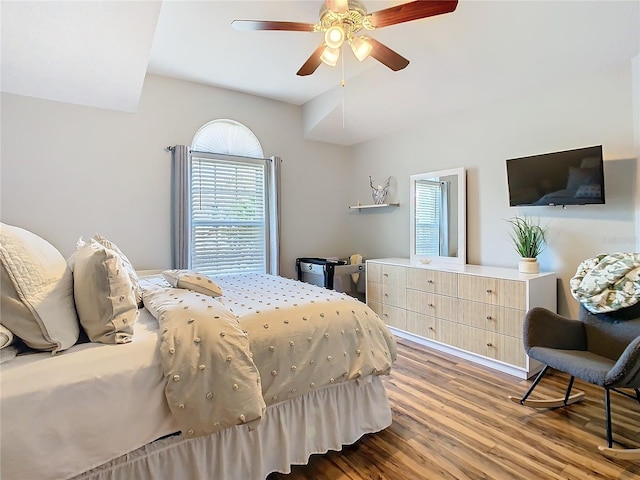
[
  {"x": 229, "y": 196},
  {"x": 431, "y": 217},
  {"x": 229, "y": 215}
]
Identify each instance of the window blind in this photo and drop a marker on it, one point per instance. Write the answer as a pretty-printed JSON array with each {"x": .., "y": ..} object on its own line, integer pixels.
[
  {"x": 428, "y": 207},
  {"x": 229, "y": 216}
]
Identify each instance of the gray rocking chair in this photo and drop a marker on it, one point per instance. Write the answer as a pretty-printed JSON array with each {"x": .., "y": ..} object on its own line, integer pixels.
[{"x": 602, "y": 349}]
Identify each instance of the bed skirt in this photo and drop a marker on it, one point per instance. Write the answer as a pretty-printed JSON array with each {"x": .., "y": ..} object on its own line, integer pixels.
[{"x": 290, "y": 431}]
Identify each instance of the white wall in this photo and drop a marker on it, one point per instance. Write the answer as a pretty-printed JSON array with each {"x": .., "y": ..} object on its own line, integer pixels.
[
  {"x": 592, "y": 110},
  {"x": 69, "y": 170}
]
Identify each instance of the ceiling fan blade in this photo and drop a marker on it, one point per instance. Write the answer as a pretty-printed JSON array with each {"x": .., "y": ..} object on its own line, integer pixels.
[
  {"x": 412, "y": 11},
  {"x": 386, "y": 56},
  {"x": 251, "y": 25},
  {"x": 338, "y": 6},
  {"x": 312, "y": 63}
]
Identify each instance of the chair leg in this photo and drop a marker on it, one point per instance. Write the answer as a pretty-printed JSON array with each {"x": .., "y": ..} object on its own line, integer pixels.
[
  {"x": 617, "y": 453},
  {"x": 568, "y": 399},
  {"x": 533, "y": 385},
  {"x": 566, "y": 395},
  {"x": 607, "y": 413}
]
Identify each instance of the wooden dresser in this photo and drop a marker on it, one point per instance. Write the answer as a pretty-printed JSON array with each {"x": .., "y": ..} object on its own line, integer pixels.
[{"x": 471, "y": 311}]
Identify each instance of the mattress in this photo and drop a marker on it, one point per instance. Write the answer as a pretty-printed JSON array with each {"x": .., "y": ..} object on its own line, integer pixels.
[{"x": 89, "y": 395}]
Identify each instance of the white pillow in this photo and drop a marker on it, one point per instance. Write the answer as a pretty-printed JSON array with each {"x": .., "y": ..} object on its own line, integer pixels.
[
  {"x": 128, "y": 266},
  {"x": 191, "y": 280},
  {"x": 36, "y": 291},
  {"x": 104, "y": 297}
]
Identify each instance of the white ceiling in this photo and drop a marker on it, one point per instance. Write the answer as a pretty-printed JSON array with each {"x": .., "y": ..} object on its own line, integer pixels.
[{"x": 97, "y": 52}]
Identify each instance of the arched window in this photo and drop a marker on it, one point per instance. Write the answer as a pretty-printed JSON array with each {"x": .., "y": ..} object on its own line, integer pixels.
[
  {"x": 232, "y": 202},
  {"x": 227, "y": 137}
]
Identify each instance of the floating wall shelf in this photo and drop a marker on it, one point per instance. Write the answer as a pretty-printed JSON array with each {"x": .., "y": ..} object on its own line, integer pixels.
[{"x": 381, "y": 205}]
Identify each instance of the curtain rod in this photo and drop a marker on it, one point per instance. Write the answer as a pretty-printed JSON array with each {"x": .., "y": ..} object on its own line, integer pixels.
[{"x": 171, "y": 148}]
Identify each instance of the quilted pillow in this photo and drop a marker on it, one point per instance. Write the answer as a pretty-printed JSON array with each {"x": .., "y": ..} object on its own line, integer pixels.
[
  {"x": 191, "y": 280},
  {"x": 128, "y": 266},
  {"x": 36, "y": 291},
  {"x": 105, "y": 301}
]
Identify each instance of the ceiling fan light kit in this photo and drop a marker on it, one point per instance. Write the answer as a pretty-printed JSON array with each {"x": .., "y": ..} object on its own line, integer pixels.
[
  {"x": 340, "y": 20},
  {"x": 330, "y": 56},
  {"x": 334, "y": 36},
  {"x": 360, "y": 47}
]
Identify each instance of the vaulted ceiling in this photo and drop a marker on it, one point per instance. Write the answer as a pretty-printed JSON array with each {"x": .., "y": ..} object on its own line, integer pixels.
[{"x": 97, "y": 53}]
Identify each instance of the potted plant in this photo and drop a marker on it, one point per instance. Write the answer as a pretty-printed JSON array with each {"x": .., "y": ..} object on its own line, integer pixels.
[{"x": 529, "y": 240}]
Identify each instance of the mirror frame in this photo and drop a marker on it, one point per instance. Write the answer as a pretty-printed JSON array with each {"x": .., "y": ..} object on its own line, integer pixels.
[{"x": 461, "y": 258}]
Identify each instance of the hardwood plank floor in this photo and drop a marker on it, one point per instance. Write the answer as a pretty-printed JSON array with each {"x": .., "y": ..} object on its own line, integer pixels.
[{"x": 452, "y": 420}]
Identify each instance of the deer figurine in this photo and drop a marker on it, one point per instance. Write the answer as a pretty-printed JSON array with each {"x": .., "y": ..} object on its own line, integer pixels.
[{"x": 379, "y": 192}]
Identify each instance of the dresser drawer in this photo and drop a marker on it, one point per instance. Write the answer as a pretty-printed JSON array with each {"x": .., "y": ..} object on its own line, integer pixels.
[
  {"x": 374, "y": 291},
  {"x": 492, "y": 318},
  {"x": 423, "y": 325},
  {"x": 392, "y": 316},
  {"x": 381, "y": 293},
  {"x": 439, "y": 306},
  {"x": 374, "y": 272},
  {"x": 393, "y": 276},
  {"x": 493, "y": 291},
  {"x": 492, "y": 345},
  {"x": 432, "y": 281}
]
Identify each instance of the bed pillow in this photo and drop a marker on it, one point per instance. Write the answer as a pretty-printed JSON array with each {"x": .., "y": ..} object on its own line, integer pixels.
[
  {"x": 191, "y": 280},
  {"x": 36, "y": 291},
  {"x": 105, "y": 301},
  {"x": 128, "y": 266}
]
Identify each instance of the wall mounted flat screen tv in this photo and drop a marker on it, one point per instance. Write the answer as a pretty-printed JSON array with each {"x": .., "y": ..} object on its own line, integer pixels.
[{"x": 571, "y": 177}]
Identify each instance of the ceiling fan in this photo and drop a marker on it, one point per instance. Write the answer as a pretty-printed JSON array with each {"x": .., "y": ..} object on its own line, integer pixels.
[{"x": 341, "y": 20}]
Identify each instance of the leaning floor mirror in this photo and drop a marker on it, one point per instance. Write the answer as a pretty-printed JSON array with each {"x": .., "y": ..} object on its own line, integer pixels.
[{"x": 438, "y": 217}]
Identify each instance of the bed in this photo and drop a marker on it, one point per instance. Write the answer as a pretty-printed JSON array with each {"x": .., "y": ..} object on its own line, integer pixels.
[{"x": 112, "y": 411}]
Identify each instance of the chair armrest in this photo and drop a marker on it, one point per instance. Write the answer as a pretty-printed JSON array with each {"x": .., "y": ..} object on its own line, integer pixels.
[
  {"x": 544, "y": 328},
  {"x": 626, "y": 371}
]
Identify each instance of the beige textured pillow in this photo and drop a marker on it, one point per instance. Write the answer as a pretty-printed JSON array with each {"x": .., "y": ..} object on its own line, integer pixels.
[
  {"x": 36, "y": 291},
  {"x": 195, "y": 281},
  {"x": 128, "y": 266},
  {"x": 105, "y": 301}
]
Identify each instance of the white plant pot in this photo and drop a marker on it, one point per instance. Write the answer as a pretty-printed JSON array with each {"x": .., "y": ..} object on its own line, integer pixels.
[{"x": 528, "y": 265}]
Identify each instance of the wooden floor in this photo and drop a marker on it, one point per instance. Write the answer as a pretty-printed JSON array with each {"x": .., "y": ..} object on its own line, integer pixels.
[{"x": 452, "y": 420}]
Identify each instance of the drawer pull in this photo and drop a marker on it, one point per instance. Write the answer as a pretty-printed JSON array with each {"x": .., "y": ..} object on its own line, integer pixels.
[
  {"x": 385, "y": 314},
  {"x": 431, "y": 328},
  {"x": 489, "y": 344},
  {"x": 431, "y": 305},
  {"x": 385, "y": 274},
  {"x": 488, "y": 290},
  {"x": 430, "y": 281},
  {"x": 489, "y": 317},
  {"x": 386, "y": 294}
]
